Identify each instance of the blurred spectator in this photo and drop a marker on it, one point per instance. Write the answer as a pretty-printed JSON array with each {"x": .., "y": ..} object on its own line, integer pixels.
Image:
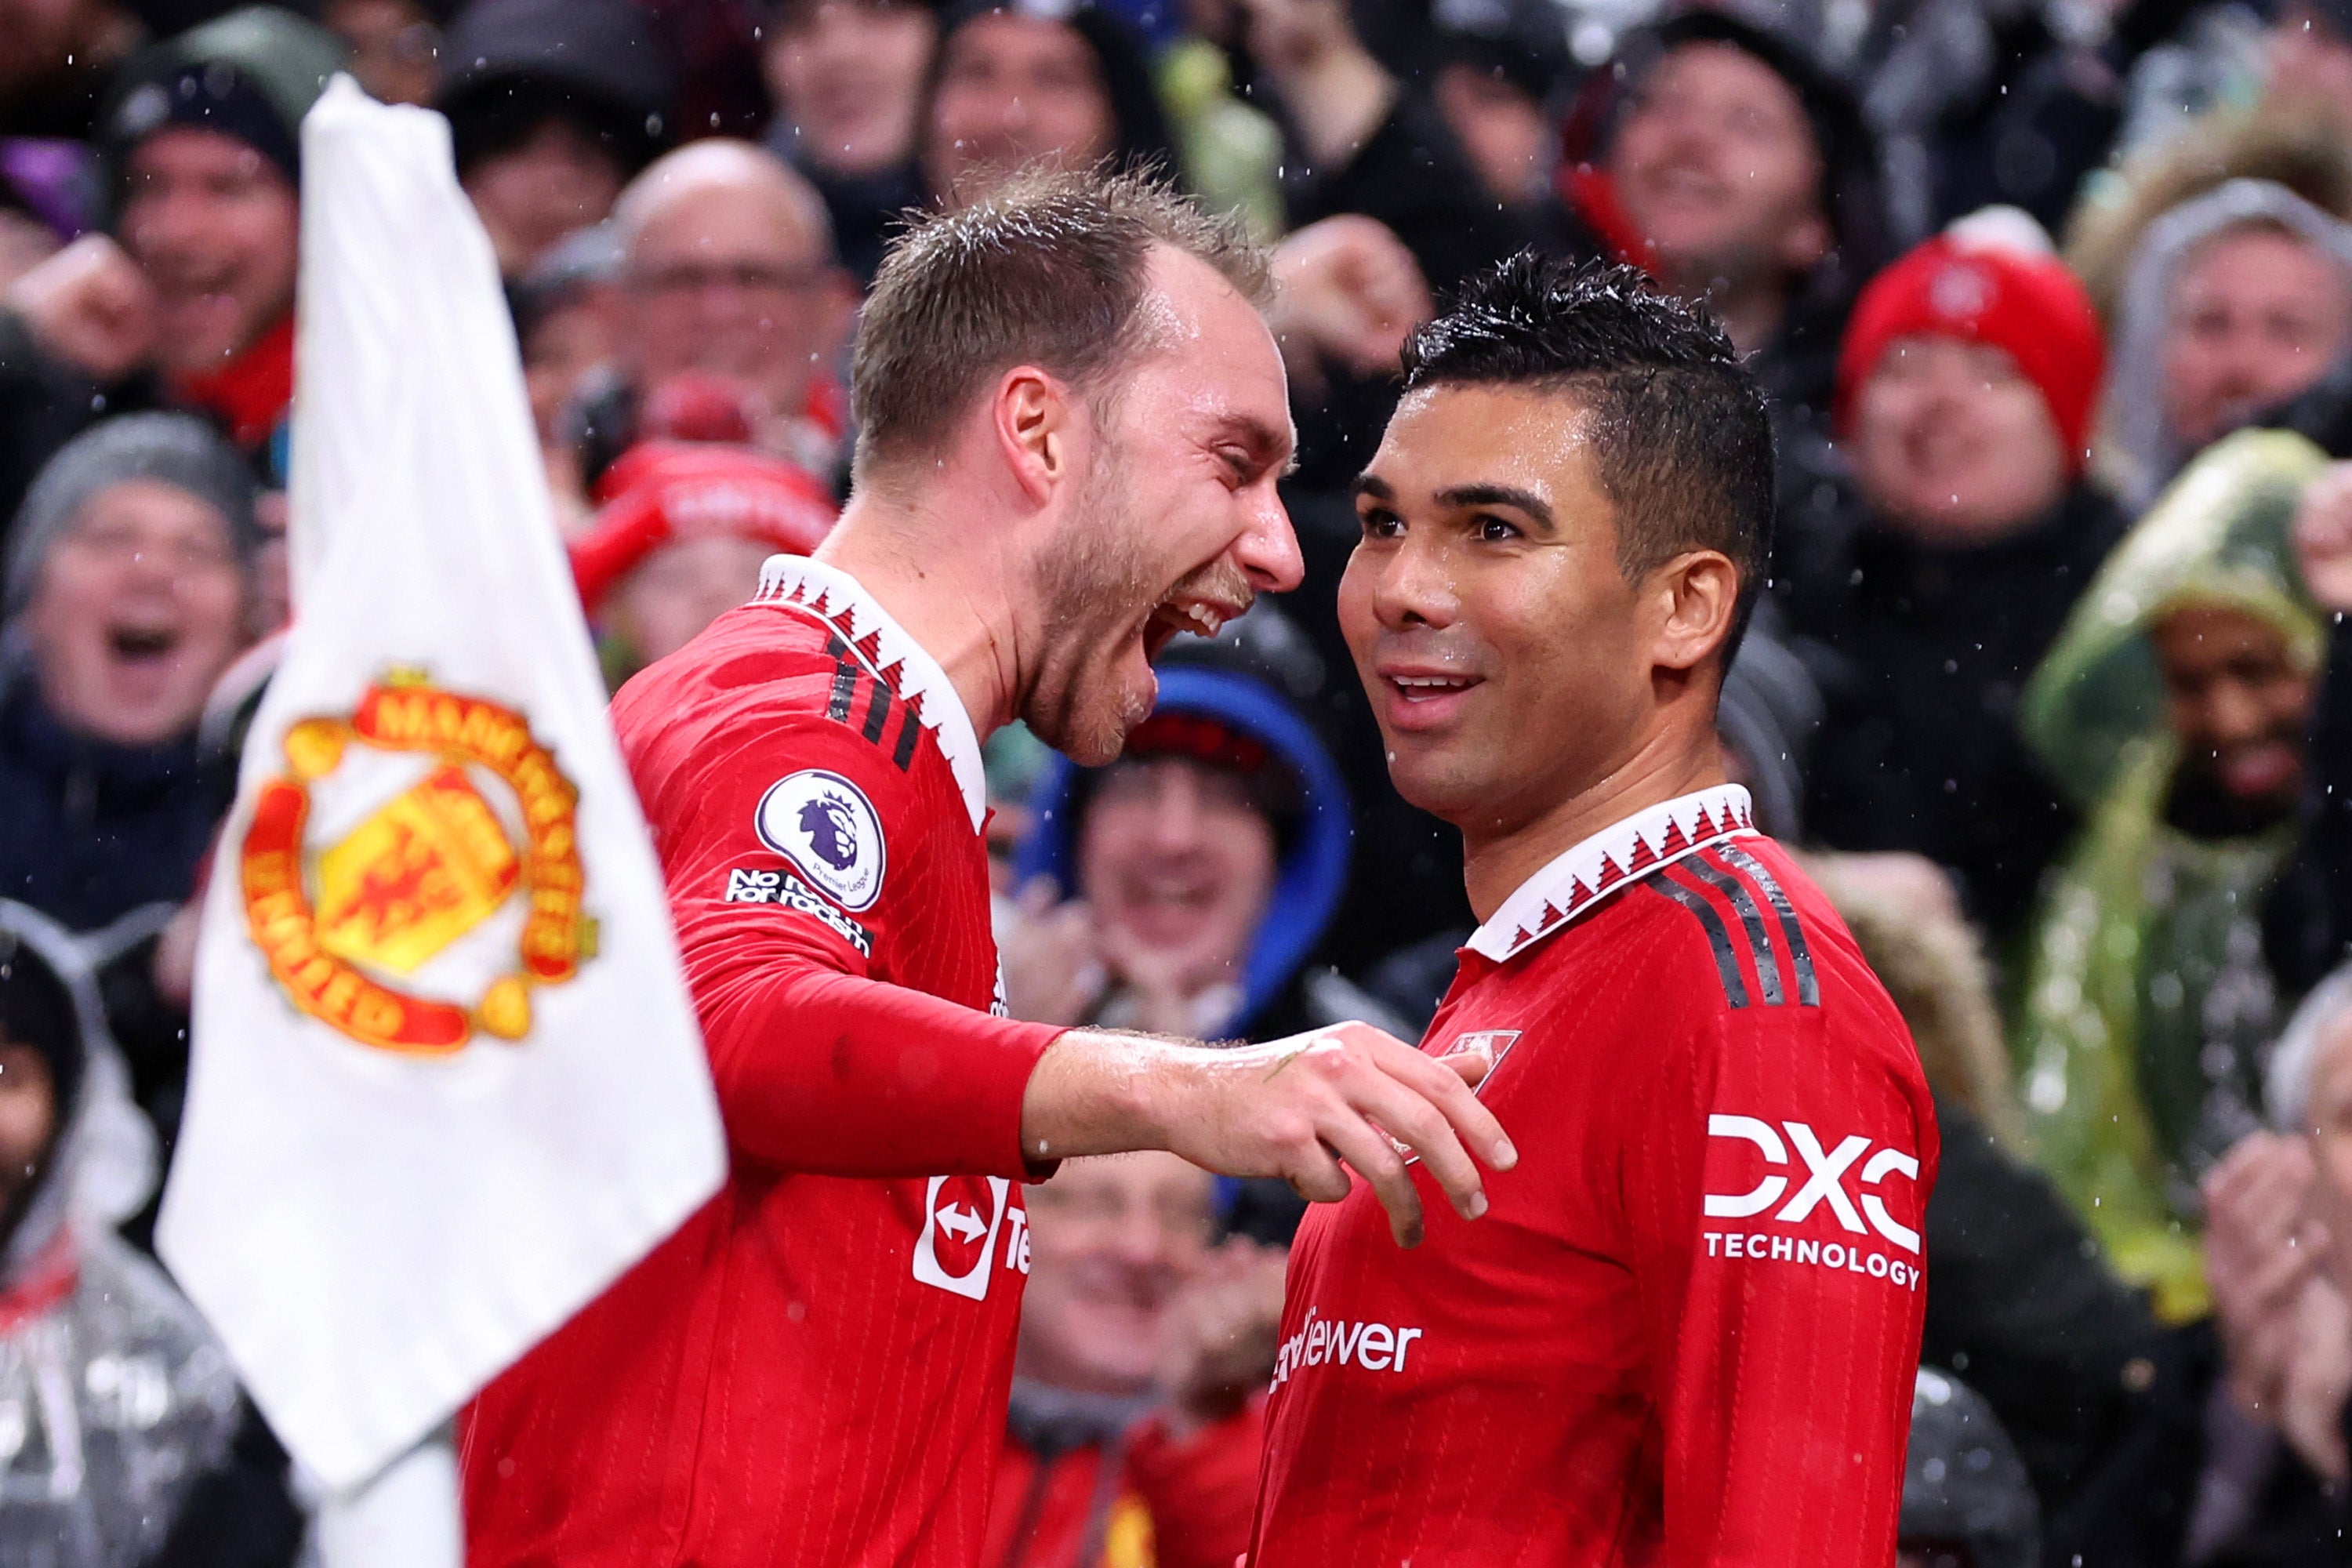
[
  {"x": 2173, "y": 708},
  {"x": 126, "y": 1414},
  {"x": 1202, "y": 867},
  {"x": 1501, "y": 67},
  {"x": 1740, "y": 173},
  {"x": 2309, "y": 925},
  {"x": 2018, "y": 1300},
  {"x": 56, "y": 60},
  {"x": 1966, "y": 1503},
  {"x": 848, "y": 79},
  {"x": 1932, "y": 590},
  {"x": 1230, "y": 152},
  {"x": 1362, "y": 140},
  {"x": 128, "y": 586},
  {"x": 552, "y": 106},
  {"x": 2104, "y": 231},
  {"x": 729, "y": 270},
  {"x": 716, "y": 46},
  {"x": 396, "y": 45},
  {"x": 1137, "y": 1420},
  {"x": 2235, "y": 301},
  {"x": 567, "y": 314},
  {"x": 680, "y": 541},
  {"x": 199, "y": 292},
  {"x": 1018, "y": 83},
  {"x": 2275, "y": 1463}
]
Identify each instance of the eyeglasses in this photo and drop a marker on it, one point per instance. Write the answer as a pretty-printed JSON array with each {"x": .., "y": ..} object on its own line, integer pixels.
[{"x": 684, "y": 277}]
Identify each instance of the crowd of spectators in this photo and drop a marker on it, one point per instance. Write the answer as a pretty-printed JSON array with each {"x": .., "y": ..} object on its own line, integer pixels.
[{"x": 2053, "y": 300}]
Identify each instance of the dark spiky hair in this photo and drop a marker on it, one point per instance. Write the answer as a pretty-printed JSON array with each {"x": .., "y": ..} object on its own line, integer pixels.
[{"x": 1679, "y": 433}]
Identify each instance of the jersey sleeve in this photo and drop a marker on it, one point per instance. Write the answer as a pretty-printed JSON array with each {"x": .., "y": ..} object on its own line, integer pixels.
[
  {"x": 1775, "y": 1178},
  {"x": 783, "y": 883}
]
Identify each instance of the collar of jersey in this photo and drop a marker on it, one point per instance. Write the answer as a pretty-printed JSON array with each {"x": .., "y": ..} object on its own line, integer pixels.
[
  {"x": 833, "y": 596},
  {"x": 1622, "y": 852}
]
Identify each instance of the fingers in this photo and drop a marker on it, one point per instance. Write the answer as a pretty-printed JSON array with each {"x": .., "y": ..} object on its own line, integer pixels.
[
  {"x": 1445, "y": 1082},
  {"x": 1371, "y": 1154},
  {"x": 1413, "y": 1122}
]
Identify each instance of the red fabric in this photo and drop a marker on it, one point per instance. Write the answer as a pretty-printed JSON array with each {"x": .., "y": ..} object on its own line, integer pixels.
[
  {"x": 1196, "y": 1491},
  {"x": 2029, "y": 306},
  {"x": 660, "y": 492},
  {"x": 782, "y": 1381},
  {"x": 1585, "y": 1376},
  {"x": 52, "y": 1275},
  {"x": 1591, "y": 194},
  {"x": 249, "y": 394}
]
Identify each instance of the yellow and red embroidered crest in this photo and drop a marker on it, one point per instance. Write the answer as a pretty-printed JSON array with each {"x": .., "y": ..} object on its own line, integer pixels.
[{"x": 337, "y": 922}]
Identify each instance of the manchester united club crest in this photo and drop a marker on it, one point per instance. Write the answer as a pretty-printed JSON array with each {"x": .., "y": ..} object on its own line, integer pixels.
[{"x": 415, "y": 872}]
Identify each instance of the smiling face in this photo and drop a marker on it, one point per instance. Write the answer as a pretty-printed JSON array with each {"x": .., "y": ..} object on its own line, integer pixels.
[
  {"x": 138, "y": 609},
  {"x": 1111, "y": 1241},
  {"x": 1717, "y": 167},
  {"x": 1013, "y": 90},
  {"x": 735, "y": 278},
  {"x": 1175, "y": 857},
  {"x": 848, "y": 75},
  {"x": 1507, "y": 656},
  {"x": 1175, "y": 524},
  {"x": 2256, "y": 316},
  {"x": 556, "y": 180},
  {"x": 2237, "y": 703},
  {"x": 213, "y": 225},
  {"x": 1952, "y": 443}
]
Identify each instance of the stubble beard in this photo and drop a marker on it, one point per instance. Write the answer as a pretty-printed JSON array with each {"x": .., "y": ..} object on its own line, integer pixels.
[{"x": 1093, "y": 588}]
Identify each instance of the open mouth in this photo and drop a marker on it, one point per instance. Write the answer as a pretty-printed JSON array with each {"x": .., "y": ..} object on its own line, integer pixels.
[
  {"x": 1201, "y": 617},
  {"x": 142, "y": 646}
]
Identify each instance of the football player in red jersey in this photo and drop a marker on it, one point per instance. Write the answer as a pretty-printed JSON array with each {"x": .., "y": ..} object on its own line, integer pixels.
[
  {"x": 1686, "y": 1331},
  {"x": 1072, "y": 419}
]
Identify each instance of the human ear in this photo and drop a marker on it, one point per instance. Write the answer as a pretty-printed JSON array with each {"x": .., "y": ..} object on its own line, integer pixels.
[
  {"x": 1031, "y": 419},
  {"x": 1698, "y": 594}
]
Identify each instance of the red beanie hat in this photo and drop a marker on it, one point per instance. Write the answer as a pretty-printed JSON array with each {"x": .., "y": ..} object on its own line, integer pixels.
[
  {"x": 660, "y": 492},
  {"x": 1984, "y": 290}
]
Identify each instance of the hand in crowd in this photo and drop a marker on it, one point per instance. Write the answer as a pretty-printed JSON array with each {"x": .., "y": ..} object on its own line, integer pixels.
[
  {"x": 1222, "y": 1332},
  {"x": 1347, "y": 293},
  {"x": 1335, "y": 92},
  {"x": 2287, "y": 1334},
  {"x": 2323, "y": 537},
  {"x": 90, "y": 306},
  {"x": 1053, "y": 972}
]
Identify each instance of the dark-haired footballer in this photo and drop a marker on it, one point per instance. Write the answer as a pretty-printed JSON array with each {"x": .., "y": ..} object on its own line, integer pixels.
[{"x": 1687, "y": 1331}]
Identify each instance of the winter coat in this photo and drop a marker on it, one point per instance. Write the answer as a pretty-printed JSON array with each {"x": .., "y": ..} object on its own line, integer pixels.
[{"x": 1922, "y": 654}]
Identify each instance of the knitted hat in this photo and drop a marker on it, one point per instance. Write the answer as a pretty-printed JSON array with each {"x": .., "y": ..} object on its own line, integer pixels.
[
  {"x": 1984, "y": 282},
  {"x": 662, "y": 492},
  {"x": 252, "y": 74},
  {"x": 176, "y": 449}
]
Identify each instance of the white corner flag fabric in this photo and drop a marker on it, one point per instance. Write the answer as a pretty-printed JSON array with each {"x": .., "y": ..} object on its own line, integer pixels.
[{"x": 447, "y": 1083}]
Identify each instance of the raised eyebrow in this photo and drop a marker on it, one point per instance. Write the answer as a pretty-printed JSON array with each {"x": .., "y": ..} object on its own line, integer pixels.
[{"x": 1527, "y": 501}]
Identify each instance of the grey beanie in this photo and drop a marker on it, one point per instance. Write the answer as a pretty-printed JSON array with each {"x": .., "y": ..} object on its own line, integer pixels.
[
  {"x": 176, "y": 449},
  {"x": 1963, "y": 1484}
]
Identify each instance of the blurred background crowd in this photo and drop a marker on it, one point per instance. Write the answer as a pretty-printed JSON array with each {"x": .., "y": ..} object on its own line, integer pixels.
[{"x": 2054, "y": 301}]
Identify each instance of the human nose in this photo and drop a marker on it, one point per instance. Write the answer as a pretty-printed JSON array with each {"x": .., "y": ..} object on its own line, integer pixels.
[
  {"x": 1413, "y": 586},
  {"x": 1268, "y": 548},
  {"x": 1176, "y": 825}
]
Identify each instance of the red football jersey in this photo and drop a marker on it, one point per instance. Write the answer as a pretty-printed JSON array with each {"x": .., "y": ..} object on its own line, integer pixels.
[
  {"x": 815, "y": 1369},
  {"x": 1686, "y": 1331}
]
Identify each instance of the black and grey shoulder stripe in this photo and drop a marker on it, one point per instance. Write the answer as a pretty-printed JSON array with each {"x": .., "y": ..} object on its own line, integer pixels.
[
  {"x": 848, "y": 670},
  {"x": 1748, "y": 886}
]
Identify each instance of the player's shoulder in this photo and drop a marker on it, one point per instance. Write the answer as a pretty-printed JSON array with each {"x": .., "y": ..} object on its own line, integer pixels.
[
  {"x": 1747, "y": 935},
  {"x": 772, "y": 696}
]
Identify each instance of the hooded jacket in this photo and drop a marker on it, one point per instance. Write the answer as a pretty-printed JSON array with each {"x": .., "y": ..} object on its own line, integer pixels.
[
  {"x": 123, "y": 1404},
  {"x": 2140, "y": 453},
  {"x": 2148, "y": 1011},
  {"x": 1259, "y": 678}
]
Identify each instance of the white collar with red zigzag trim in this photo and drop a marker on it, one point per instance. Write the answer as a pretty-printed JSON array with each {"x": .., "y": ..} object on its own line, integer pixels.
[
  {"x": 835, "y": 597},
  {"x": 1622, "y": 852}
]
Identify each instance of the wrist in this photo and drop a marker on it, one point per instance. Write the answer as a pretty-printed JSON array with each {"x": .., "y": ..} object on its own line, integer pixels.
[{"x": 1097, "y": 1093}]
